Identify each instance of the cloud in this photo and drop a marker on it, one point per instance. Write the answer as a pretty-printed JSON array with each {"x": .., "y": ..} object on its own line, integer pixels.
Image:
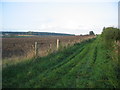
[{"x": 68, "y": 17}]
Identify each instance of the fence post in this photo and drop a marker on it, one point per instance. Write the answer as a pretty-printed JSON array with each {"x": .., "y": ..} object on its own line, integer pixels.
[
  {"x": 50, "y": 46},
  {"x": 36, "y": 49},
  {"x": 58, "y": 41}
]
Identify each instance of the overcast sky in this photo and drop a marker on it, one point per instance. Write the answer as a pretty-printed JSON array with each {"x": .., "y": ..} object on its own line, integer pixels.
[{"x": 61, "y": 16}]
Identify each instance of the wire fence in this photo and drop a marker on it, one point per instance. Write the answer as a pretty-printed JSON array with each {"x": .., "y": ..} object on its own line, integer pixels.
[{"x": 36, "y": 48}]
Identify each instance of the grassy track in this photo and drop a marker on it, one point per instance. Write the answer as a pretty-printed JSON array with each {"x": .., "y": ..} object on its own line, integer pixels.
[{"x": 83, "y": 65}]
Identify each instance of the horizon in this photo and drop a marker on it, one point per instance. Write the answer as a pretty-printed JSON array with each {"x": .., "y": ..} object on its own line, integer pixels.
[
  {"x": 47, "y": 32},
  {"x": 60, "y": 16},
  {"x": 40, "y": 31}
]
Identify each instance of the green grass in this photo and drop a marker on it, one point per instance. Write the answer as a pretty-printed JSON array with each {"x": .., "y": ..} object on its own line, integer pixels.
[{"x": 84, "y": 65}]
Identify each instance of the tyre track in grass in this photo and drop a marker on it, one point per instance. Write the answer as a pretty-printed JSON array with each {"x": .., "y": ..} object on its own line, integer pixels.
[
  {"x": 64, "y": 59},
  {"x": 95, "y": 54},
  {"x": 53, "y": 68},
  {"x": 94, "y": 74},
  {"x": 49, "y": 79},
  {"x": 103, "y": 69},
  {"x": 84, "y": 74},
  {"x": 99, "y": 78},
  {"x": 69, "y": 80}
]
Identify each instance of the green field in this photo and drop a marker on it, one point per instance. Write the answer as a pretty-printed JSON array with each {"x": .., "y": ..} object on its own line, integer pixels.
[{"x": 84, "y": 65}]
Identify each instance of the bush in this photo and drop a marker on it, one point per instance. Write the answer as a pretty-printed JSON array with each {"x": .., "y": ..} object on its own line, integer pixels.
[
  {"x": 91, "y": 33},
  {"x": 110, "y": 35}
]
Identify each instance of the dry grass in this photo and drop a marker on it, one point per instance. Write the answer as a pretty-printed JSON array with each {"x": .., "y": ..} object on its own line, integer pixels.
[{"x": 24, "y": 47}]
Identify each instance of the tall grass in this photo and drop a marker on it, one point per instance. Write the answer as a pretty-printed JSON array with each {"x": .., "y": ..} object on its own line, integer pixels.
[{"x": 84, "y": 65}]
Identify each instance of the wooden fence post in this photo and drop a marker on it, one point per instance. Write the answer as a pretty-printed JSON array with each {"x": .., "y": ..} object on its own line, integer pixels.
[
  {"x": 58, "y": 42},
  {"x": 50, "y": 46},
  {"x": 36, "y": 49}
]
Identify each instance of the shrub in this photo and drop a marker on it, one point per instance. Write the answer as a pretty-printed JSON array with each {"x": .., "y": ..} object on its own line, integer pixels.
[{"x": 110, "y": 35}]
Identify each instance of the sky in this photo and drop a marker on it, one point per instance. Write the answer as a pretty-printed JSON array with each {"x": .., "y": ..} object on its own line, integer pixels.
[{"x": 60, "y": 16}]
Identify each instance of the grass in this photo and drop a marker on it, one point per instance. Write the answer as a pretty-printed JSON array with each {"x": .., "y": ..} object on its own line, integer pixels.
[{"x": 84, "y": 65}]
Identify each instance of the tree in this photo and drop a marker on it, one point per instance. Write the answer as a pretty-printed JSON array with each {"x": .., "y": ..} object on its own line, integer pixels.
[
  {"x": 91, "y": 33},
  {"x": 103, "y": 28}
]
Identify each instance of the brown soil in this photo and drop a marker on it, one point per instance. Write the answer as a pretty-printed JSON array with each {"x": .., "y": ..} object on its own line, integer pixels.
[{"x": 24, "y": 47}]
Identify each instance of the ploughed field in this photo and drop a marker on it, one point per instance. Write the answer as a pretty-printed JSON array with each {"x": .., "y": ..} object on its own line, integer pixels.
[
  {"x": 83, "y": 65},
  {"x": 25, "y": 46}
]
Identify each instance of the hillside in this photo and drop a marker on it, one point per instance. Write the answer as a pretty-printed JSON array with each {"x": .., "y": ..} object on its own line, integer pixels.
[
  {"x": 84, "y": 65},
  {"x": 30, "y": 34}
]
